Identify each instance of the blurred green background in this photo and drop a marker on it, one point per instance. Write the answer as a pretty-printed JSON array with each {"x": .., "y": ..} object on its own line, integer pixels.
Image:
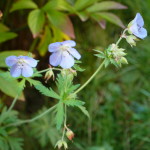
[{"x": 118, "y": 100}]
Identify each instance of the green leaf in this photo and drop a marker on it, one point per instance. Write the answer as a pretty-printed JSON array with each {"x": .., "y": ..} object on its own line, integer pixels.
[
  {"x": 44, "y": 90},
  {"x": 61, "y": 21},
  {"x": 105, "y": 5},
  {"x": 59, "y": 115},
  {"x": 74, "y": 103},
  {"x": 15, "y": 143},
  {"x": 109, "y": 17},
  {"x": 23, "y": 4},
  {"x": 58, "y": 5},
  {"x": 46, "y": 39},
  {"x": 7, "y": 36},
  {"x": 81, "y": 4},
  {"x": 7, "y": 53},
  {"x": 36, "y": 20},
  {"x": 9, "y": 87},
  {"x": 100, "y": 55},
  {"x": 83, "y": 109},
  {"x": 3, "y": 28}
]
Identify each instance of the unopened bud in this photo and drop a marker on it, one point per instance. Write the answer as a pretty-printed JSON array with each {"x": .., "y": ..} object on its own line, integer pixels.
[
  {"x": 61, "y": 144},
  {"x": 48, "y": 75},
  {"x": 131, "y": 40},
  {"x": 69, "y": 134},
  {"x": 123, "y": 60},
  {"x": 1, "y": 14}
]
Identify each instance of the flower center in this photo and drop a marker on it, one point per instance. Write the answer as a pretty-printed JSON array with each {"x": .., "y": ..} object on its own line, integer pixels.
[
  {"x": 21, "y": 62},
  {"x": 64, "y": 48}
]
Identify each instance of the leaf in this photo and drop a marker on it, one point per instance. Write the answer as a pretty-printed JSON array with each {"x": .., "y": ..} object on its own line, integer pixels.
[
  {"x": 59, "y": 115},
  {"x": 83, "y": 16},
  {"x": 83, "y": 109},
  {"x": 109, "y": 17},
  {"x": 36, "y": 20},
  {"x": 74, "y": 103},
  {"x": 4, "y": 36},
  {"x": 45, "y": 40},
  {"x": 61, "y": 21},
  {"x": 100, "y": 55},
  {"x": 3, "y": 28},
  {"x": 105, "y": 5},
  {"x": 44, "y": 90},
  {"x": 81, "y": 4},
  {"x": 7, "y": 53},
  {"x": 9, "y": 87},
  {"x": 58, "y": 5},
  {"x": 23, "y": 4},
  {"x": 15, "y": 143}
]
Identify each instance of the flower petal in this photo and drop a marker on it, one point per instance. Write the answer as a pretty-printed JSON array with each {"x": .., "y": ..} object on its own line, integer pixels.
[
  {"x": 30, "y": 61},
  {"x": 139, "y": 20},
  {"x": 74, "y": 53},
  {"x": 54, "y": 46},
  {"x": 11, "y": 60},
  {"x": 55, "y": 58},
  {"x": 141, "y": 34},
  {"x": 27, "y": 71},
  {"x": 69, "y": 43},
  {"x": 67, "y": 60},
  {"x": 15, "y": 71}
]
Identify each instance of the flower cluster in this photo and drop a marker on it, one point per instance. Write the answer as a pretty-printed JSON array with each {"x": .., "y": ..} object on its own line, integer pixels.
[{"x": 63, "y": 53}]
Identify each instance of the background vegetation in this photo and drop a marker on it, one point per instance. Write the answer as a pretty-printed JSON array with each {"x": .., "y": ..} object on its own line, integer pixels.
[{"x": 118, "y": 100}]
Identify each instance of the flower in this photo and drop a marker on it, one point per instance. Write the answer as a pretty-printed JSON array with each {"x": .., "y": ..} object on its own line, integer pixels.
[
  {"x": 21, "y": 65},
  {"x": 63, "y": 53},
  {"x": 136, "y": 27}
]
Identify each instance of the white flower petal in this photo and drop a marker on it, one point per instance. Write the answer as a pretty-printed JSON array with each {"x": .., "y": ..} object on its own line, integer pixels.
[
  {"x": 15, "y": 71},
  {"x": 54, "y": 46},
  {"x": 11, "y": 60},
  {"x": 69, "y": 43},
  {"x": 74, "y": 53},
  {"x": 27, "y": 71},
  {"x": 30, "y": 61},
  {"x": 67, "y": 60},
  {"x": 55, "y": 58}
]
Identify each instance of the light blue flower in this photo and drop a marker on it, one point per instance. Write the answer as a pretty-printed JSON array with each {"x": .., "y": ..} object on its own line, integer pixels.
[
  {"x": 63, "y": 54},
  {"x": 136, "y": 27},
  {"x": 21, "y": 65}
]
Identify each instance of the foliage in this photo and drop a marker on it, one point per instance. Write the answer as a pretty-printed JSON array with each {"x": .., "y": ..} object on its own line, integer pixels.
[{"x": 117, "y": 100}]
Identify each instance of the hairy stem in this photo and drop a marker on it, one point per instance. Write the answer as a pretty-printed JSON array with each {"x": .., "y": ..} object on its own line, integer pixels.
[
  {"x": 88, "y": 81},
  {"x": 33, "y": 119},
  {"x": 48, "y": 70},
  {"x": 65, "y": 120}
]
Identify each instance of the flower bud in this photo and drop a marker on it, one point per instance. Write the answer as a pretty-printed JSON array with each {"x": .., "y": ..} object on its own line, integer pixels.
[
  {"x": 131, "y": 40},
  {"x": 69, "y": 134},
  {"x": 61, "y": 144},
  {"x": 1, "y": 14},
  {"x": 123, "y": 60},
  {"x": 48, "y": 75}
]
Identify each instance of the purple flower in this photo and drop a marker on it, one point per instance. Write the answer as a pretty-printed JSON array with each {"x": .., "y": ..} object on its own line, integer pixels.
[
  {"x": 21, "y": 65},
  {"x": 63, "y": 54},
  {"x": 136, "y": 27}
]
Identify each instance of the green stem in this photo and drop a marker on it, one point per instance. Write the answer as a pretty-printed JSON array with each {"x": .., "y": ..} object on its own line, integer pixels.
[
  {"x": 65, "y": 120},
  {"x": 94, "y": 74},
  {"x": 33, "y": 119},
  {"x": 48, "y": 70},
  {"x": 121, "y": 37}
]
